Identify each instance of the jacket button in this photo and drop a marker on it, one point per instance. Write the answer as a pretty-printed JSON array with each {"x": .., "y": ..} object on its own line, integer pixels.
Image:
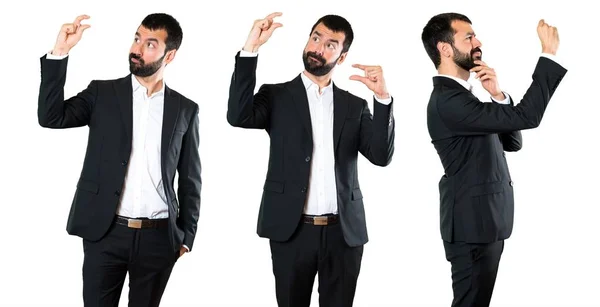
[
  {"x": 303, "y": 190},
  {"x": 307, "y": 159},
  {"x": 124, "y": 163},
  {"x": 511, "y": 183},
  {"x": 117, "y": 193}
]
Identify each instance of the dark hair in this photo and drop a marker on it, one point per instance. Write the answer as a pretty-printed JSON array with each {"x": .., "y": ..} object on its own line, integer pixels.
[
  {"x": 337, "y": 24},
  {"x": 439, "y": 29},
  {"x": 162, "y": 21}
]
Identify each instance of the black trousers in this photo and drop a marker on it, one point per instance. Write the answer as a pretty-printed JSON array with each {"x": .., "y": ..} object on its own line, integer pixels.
[
  {"x": 146, "y": 254},
  {"x": 315, "y": 249},
  {"x": 474, "y": 269}
]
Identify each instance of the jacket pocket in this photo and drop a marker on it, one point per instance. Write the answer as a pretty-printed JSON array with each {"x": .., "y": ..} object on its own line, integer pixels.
[
  {"x": 487, "y": 188},
  {"x": 87, "y": 185},
  {"x": 356, "y": 194}
]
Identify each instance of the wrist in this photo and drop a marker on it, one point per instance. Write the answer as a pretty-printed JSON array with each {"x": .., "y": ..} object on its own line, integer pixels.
[
  {"x": 382, "y": 95},
  {"x": 251, "y": 48},
  {"x": 549, "y": 51},
  {"x": 500, "y": 96},
  {"x": 59, "y": 51}
]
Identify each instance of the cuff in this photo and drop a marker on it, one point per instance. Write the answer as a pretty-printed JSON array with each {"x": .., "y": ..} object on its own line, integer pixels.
[
  {"x": 385, "y": 101},
  {"x": 244, "y": 53}
]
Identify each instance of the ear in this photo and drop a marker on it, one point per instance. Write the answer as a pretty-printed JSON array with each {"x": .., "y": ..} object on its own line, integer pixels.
[
  {"x": 445, "y": 50},
  {"x": 342, "y": 58},
  {"x": 170, "y": 56}
]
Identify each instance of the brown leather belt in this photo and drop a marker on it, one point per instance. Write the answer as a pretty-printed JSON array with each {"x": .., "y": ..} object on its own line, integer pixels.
[
  {"x": 320, "y": 220},
  {"x": 141, "y": 223}
]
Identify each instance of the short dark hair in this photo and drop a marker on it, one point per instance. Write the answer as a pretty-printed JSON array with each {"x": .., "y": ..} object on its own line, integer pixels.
[
  {"x": 439, "y": 29},
  {"x": 337, "y": 24},
  {"x": 162, "y": 21}
]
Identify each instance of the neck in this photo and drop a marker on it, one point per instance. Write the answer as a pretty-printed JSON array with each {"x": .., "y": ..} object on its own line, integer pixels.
[
  {"x": 454, "y": 70},
  {"x": 321, "y": 81},
  {"x": 153, "y": 83}
]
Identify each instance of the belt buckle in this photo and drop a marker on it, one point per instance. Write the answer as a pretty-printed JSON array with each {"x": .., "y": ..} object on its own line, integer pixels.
[
  {"x": 131, "y": 223},
  {"x": 320, "y": 220}
]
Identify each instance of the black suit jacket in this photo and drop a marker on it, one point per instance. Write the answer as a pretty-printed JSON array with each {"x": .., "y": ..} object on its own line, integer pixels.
[
  {"x": 282, "y": 110},
  {"x": 106, "y": 108},
  {"x": 470, "y": 137}
]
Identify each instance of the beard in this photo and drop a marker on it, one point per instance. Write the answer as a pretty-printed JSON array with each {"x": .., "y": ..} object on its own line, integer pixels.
[
  {"x": 316, "y": 65},
  {"x": 466, "y": 60},
  {"x": 141, "y": 69}
]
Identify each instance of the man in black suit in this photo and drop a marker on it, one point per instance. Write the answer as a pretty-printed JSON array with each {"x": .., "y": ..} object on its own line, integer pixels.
[
  {"x": 140, "y": 133},
  {"x": 476, "y": 191},
  {"x": 312, "y": 208}
]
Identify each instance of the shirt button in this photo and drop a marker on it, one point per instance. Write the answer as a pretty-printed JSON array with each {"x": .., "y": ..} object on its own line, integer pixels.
[{"x": 511, "y": 183}]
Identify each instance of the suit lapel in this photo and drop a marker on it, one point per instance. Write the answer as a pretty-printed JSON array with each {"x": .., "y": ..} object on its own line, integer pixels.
[
  {"x": 124, "y": 90},
  {"x": 170, "y": 115},
  {"x": 301, "y": 102},
  {"x": 340, "y": 109}
]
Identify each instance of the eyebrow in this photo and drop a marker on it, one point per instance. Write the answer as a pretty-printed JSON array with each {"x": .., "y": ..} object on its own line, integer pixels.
[{"x": 149, "y": 39}]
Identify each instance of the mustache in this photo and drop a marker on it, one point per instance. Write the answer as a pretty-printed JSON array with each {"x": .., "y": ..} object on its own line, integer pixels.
[
  {"x": 316, "y": 56},
  {"x": 137, "y": 57}
]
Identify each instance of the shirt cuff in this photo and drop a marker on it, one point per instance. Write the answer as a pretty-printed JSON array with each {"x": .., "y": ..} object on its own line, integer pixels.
[
  {"x": 505, "y": 101},
  {"x": 51, "y": 56},
  {"x": 244, "y": 53},
  {"x": 385, "y": 101},
  {"x": 187, "y": 248}
]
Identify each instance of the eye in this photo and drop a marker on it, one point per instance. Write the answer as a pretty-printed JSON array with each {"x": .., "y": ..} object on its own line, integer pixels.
[
  {"x": 331, "y": 46},
  {"x": 135, "y": 39},
  {"x": 315, "y": 38},
  {"x": 151, "y": 45}
]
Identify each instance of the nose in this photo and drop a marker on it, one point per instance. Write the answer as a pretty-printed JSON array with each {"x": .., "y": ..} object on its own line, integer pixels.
[
  {"x": 476, "y": 43},
  {"x": 320, "y": 49}
]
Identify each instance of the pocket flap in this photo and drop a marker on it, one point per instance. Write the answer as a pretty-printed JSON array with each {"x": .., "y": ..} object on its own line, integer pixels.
[
  {"x": 356, "y": 194},
  {"x": 487, "y": 188},
  {"x": 87, "y": 185},
  {"x": 274, "y": 186}
]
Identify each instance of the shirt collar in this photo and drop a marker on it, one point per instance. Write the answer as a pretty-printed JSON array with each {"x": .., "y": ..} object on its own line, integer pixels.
[
  {"x": 308, "y": 83},
  {"x": 462, "y": 82},
  {"x": 136, "y": 86}
]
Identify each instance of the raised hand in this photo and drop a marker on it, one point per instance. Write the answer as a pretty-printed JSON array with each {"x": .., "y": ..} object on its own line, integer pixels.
[
  {"x": 261, "y": 32},
  {"x": 548, "y": 37},
  {"x": 488, "y": 78},
  {"x": 69, "y": 35},
  {"x": 373, "y": 79}
]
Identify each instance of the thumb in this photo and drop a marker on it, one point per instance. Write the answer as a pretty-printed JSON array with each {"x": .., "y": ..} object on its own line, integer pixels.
[
  {"x": 274, "y": 26},
  {"x": 82, "y": 28},
  {"x": 359, "y": 78}
]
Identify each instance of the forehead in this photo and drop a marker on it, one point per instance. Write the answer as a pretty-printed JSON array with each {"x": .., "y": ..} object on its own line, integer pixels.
[
  {"x": 145, "y": 33},
  {"x": 328, "y": 33},
  {"x": 462, "y": 27}
]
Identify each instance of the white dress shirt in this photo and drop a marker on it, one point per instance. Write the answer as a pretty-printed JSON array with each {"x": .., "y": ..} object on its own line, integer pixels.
[
  {"x": 322, "y": 190},
  {"x": 143, "y": 192}
]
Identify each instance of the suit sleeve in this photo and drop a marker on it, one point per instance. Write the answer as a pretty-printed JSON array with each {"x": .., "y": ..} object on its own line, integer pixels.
[
  {"x": 190, "y": 181},
  {"x": 53, "y": 110},
  {"x": 511, "y": 141},
  {"x": 377, "y": 133},
  {"x": 244, "y": 108},
  {"x": 464, "y": 114}
]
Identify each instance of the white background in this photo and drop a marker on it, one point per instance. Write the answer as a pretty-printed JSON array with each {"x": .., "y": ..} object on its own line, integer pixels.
[{"x": 551, "y": 259}]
